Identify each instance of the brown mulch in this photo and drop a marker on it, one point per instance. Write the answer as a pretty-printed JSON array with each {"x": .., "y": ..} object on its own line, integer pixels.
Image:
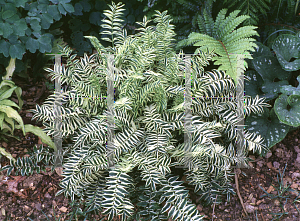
[{"x": 28, "y": 198}]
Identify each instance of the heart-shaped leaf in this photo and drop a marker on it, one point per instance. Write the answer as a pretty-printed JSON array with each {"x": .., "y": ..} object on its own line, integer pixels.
[
  {"x": 269, "y": 68},
  {"x": 290, "y": 90},
  {"x": 287, "y": 109},
  {"x": 268, "y": 126},
  {"x": 252, "y": 87},
  {"x": 287, "y": 46}
]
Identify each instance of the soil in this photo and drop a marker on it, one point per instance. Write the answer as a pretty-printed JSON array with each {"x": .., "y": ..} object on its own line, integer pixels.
[{"x": 32, "y": 197}]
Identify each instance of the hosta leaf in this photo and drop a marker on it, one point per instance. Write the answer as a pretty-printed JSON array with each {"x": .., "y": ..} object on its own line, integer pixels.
[
  {"x": 268, "y": 126},
  {"x": 289, "y": 116},
  {"x": 287, "y": 46}
]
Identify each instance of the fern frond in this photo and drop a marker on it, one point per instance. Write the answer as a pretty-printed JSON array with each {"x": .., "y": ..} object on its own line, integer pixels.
[
  {"x": 225, "y": 41},
  {"x": 252, "y": 8}
]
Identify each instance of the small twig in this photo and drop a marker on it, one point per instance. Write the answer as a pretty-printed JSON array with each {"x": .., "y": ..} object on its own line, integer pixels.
[
  {"x": 238, "y": 191},
  {"x": 213, "y": 213}
]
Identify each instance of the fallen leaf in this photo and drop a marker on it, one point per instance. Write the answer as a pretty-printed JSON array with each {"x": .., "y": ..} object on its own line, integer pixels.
[{"x": 63, "y": 209}]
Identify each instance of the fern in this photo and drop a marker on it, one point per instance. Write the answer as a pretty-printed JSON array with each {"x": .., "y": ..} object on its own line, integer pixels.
[
  {"x": 226, "y": 41},
  {"x": 252, "y": 8}
]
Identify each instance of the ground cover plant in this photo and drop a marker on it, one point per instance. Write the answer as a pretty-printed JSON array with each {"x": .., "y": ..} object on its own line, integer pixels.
[{"x": 149, "y": 115}]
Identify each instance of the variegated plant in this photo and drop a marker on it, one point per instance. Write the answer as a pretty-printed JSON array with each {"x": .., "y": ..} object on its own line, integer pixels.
[{"x": 149, "y": 83}]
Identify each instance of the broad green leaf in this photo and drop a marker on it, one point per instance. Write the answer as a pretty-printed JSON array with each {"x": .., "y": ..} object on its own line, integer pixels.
[
  {"x": 13, "y": 19},
  {"x": 10, "y": 112},
  {"x": 20, "y": 3},
  {"x": 40, "y": 133},
  {"x": 11, "y": 122},
  {"x": 53, "y": 11},
  {"x": 268, "y": 126},
  {"x": 6, "y": 154},
  {"x": 1, "y": 119},
  {"x": 289, "y": 116},
  {"x": 4, "y": 47},
  {"x": 269, "y": 68},
  {"x": 252, "y": 87},
  {"x": 20, "y": 27},
  {"x": 7, "y": 93},
  {"x": 69, "y": 8},
  {"x": 290, "y": 90},
  {"x": 35, "y": 24},
  {"x": 44, "y": 40},
  {"x": 9, "y": 103},
  {"x": 16, "y": 51},
  {"x": 287, "y": 46},
  {"x": 7, "y": 29},
  {"x": 32, "y": 45},
  {"x": 61, "y": 9},
  {"x": 7, "y": 14}
]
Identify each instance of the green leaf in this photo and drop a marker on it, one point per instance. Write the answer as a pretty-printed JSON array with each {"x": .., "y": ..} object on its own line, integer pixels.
[
  {"x": 42, "y": 8},
  {"x": 20, "y": 27},
  {"x": 7, "y": 93},
  {"x": 44, "y": 39},
  {"x": 269, "y": 68},
  {"x": 61, "y": 9},
  {"x": 78, "y": 9},
  {"x": 35, "y": 24},
  {"x": 7, "y": 29},
  {"x": 20, "y": 3},
  {"x": 40, "y": 133},
  {"x": 290, "y": 116},
  {"x": 252, "y": 87},
  {"x": 69, "y": 8},
  {"x": 268, "y": 126},
  {"x": 46, "y": 20},
  {"x": 53, "y": 11},
  {"x": 16, "y": 51},
  {"x": 286, "y": 47},
  {"x": 12, "y": 113},
  {"x": 9, "y": 103},
  {"x": 32, "y": 45},
  {"x": 290, "y": 90},
  {"x": 13, "y": 19},
  {"x": 4, "y": 47},
  {"x": 95, "y": 17},
  {"x": 6, "y": 154},
  {"x": 8, "y": 14}
]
